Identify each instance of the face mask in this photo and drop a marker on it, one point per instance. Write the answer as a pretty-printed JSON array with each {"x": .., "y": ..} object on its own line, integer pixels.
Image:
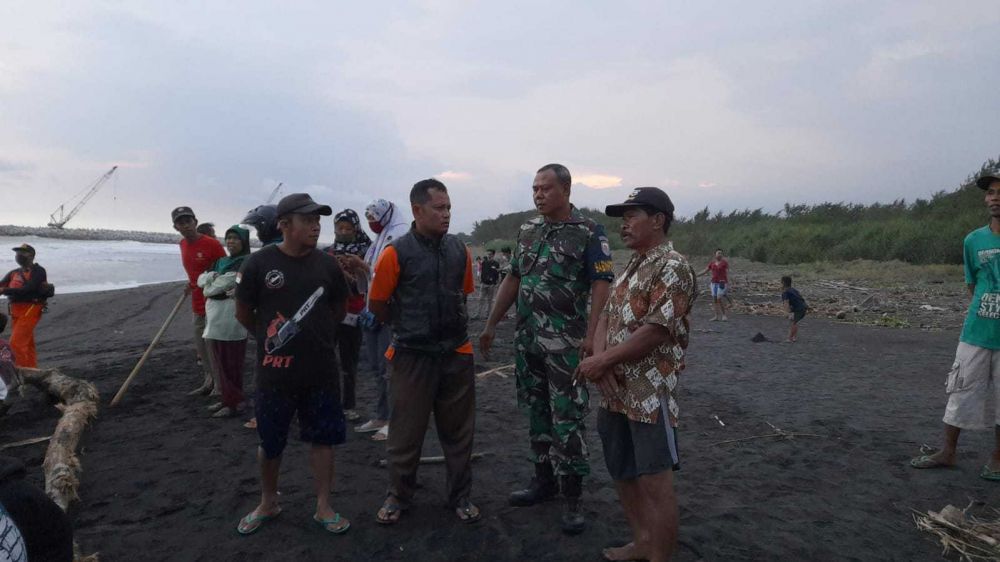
[
  {"x": 22, "y": 260},
  {"x": 376, "y": 227},
  {"x": 344, "y": 238}
]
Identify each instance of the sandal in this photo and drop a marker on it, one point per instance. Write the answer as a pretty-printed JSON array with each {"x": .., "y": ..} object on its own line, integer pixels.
[
  {"x": 251, "y": 523},
  {"x": 251, "y": 424},
  {"x": 390, "y": 512},
  {"x": 337, "y": 525},
  {"x": 467, "y": 511},
  {"x": 926, "y": 461},
  {"x": 987, "y": 474},
  {"x": 382, "y": 434}
]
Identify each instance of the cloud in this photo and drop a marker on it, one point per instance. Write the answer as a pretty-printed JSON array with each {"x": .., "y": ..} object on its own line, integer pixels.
[
  {"x": 450, "y": 175},
  {"x": 707, "y": 184},
  {"x": 598, "y": 181}
]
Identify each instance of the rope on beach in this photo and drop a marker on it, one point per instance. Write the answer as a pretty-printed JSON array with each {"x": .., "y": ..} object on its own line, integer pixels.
[
  {"x": 78, "y": 403},
  {"x": 778, "y": 432}
]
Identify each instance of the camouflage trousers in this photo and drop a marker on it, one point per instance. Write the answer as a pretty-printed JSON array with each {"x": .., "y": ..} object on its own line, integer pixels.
[{"x": 556, "y": 408}]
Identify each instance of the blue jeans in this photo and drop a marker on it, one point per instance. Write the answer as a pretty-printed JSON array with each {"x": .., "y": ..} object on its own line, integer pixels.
[{"x": 376, "y": 342}]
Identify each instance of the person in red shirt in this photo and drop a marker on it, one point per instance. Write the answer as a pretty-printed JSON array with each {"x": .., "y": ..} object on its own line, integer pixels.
[
  {"x": 720, "y": 282},
  {"x": 198, "y": 253}
]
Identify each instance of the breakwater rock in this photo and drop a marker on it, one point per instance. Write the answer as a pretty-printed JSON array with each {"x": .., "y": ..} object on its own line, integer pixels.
[{"x": 89, "y": 234}]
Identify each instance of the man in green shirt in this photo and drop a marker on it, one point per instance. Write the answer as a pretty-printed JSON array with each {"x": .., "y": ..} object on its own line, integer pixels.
[{"x": 975, "y": 376}]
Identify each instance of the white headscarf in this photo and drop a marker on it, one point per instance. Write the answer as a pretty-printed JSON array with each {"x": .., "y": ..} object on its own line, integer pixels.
[{"x": 395, "y": 223}]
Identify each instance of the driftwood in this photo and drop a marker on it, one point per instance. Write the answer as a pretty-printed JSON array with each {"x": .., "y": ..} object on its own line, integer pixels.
[{"x": 79, "y": 405}]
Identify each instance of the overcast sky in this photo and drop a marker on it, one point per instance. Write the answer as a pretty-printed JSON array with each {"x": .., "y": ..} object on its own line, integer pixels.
[{"x": 725, "y": 104}]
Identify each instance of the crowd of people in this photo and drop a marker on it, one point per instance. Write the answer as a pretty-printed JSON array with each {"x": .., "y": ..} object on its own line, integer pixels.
[{"x": 399, "y": 299}]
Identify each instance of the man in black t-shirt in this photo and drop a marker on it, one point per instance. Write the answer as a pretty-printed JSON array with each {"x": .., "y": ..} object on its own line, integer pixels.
[
  {"x": 293, "y": 296},
  {"x": 489, "y": 277}
]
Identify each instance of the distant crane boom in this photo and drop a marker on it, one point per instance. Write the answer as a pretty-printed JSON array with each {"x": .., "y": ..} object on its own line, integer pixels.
[
  {"x": 274, "y": 193},
  {"x": 63, "y": 219}
]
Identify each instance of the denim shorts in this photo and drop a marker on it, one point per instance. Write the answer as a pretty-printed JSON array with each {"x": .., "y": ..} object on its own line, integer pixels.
[{"x": 321, "y": 417}]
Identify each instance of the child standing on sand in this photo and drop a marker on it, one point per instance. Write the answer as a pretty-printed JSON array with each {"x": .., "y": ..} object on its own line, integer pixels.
[{"x": 795, "y": 305}]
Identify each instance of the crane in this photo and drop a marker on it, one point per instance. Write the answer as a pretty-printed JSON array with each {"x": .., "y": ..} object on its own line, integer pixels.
[
  {"x": 64, "y": 218},
  {"x": 274, "y": 193}
]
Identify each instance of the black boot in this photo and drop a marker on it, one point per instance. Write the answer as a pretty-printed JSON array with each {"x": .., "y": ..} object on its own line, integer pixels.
[
  {"x": 542, "y": 487},
  {"x": 572, "y": 517}
]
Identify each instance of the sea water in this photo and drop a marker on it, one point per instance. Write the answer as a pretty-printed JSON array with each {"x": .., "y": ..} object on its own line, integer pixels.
[{"x": 80, "y": 266}]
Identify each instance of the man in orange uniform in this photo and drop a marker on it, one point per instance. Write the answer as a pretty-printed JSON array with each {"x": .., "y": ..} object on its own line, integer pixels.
[{"x": 24, "y": 288}]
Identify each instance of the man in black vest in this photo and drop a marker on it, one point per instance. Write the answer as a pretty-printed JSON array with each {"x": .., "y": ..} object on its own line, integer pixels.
[{"x": 420, "y": 287}]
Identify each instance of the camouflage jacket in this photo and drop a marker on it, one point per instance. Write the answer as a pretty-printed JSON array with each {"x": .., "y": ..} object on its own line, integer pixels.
[{"x": 556, "y": 264}]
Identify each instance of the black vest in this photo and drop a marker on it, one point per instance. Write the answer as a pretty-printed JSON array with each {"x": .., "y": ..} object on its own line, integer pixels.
[{"x": 428, "y": 307}]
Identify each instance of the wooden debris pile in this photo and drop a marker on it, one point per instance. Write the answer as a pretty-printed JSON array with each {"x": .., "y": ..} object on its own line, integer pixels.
[{"x": 972, "y": 538}]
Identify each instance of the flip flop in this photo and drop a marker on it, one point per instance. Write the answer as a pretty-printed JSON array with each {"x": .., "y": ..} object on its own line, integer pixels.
[
  {"x": 925, "y": 461},
  {"x": 251, "y": 423},
  {"x": 389, "y": 513},
  {"x": 335, "y": 520},
  {"x": 987, "y": 474},
  {"x": 468, "y": 512},
  {"x": 251, "y": 523}
]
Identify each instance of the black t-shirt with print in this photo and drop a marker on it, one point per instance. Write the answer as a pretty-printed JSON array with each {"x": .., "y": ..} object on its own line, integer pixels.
[{"x": 299, "y": 353}]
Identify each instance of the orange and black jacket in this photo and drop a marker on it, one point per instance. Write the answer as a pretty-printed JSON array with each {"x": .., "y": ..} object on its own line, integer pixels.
[{"x": 21, "y": 286}]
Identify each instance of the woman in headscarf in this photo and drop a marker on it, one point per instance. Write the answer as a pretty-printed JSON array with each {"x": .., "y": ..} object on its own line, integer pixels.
[
  {"x": 349, "y": 247},
  {"x": 226, "y": 337},
  {"x": 388, "y": 222}
]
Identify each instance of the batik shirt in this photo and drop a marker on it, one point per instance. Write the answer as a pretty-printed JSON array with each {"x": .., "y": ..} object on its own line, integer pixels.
[
  {"x": 556, "y": 263},
  {"x": 657, "y": 287}
]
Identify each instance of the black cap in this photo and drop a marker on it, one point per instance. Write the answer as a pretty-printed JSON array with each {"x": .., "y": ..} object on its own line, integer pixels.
[
  {"x": 984, "y": 180},
  {"x": 180, "y": 212},
  {"x": 643, "y": 197},
  {"x": 26, "y": 248},
  {"x": 302, "y": 204}
]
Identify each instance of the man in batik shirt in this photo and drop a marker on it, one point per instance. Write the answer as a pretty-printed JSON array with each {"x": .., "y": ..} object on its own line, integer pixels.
[{"x": 638, "y": 353}]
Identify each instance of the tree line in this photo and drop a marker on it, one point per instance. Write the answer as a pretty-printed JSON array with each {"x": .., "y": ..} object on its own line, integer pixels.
[{"x": 921, "y": 232}]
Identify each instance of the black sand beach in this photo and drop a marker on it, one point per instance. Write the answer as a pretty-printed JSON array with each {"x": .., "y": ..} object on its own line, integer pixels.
[{"x": 163, "y": 481}]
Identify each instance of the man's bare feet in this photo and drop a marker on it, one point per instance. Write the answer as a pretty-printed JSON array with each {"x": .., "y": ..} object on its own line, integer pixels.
[{"x": 627, "y": 552}]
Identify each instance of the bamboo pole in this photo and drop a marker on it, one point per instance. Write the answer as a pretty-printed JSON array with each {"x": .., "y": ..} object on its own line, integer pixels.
[{"x": 152, "y": 344}]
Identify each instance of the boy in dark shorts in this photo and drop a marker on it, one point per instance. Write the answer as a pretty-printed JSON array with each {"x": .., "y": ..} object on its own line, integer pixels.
[
  {"x": 795, "y": 305},
  {"x": 293, "y": 296}
]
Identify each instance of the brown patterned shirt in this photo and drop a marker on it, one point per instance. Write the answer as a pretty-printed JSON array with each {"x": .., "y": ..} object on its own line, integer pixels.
[{"x": 657, "y": 287}]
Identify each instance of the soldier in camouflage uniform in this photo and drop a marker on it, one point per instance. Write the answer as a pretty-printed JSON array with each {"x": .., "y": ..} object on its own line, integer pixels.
[{"x": 561, "y": 258}]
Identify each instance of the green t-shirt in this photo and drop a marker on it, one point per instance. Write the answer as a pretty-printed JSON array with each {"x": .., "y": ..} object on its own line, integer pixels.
[{"x": 982, "y": 268}]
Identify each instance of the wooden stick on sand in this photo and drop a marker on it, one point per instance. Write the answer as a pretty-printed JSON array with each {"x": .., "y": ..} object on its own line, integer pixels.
[
  {"x": 496, "y": 371},
  {"x": 432, "y": 460},
  {"x": 24, "y": 442},
  {"x": 152, "y": 344}
]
